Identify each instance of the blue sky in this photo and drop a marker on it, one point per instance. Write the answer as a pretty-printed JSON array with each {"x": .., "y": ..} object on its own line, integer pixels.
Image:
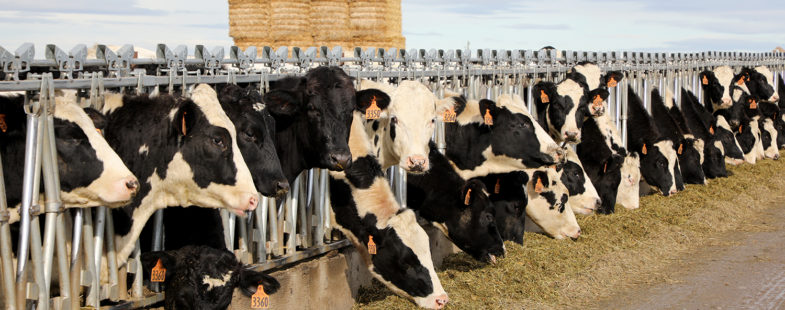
[{"x": 646, "y": 25}]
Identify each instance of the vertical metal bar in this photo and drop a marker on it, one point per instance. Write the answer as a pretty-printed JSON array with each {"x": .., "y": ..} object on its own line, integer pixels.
[
  {"x": 35, "y": 227},
  {"x": 276, "y": 228},
  {"x": 53, "y": 205},
  {"x": 93, "y": 298},
  {"x": 98, "y": 244},
  {"x": 136, "y": 290},
  {"x": 318, "y": 234},
  {"x": 261, "y": 227},
  {"x": 158, "y": 224},
  {"x": 303, "y": 208},
  {"x": 75, "y": 270},
  {"x": 5, "y": 247},
  {"x": 111, "y": 259}
]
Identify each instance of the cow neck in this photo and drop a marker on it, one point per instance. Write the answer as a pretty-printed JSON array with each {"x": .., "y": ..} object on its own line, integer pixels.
[
  {"x": 441, "y": 184},
  {"x": 292, "y": 147}
]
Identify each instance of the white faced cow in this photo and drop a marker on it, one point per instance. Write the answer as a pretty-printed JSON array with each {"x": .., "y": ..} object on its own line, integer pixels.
[
  {"x": 589, "y": 73},
  {"x": 701, "y": 124},
  {"x": 548, "y": 206}
]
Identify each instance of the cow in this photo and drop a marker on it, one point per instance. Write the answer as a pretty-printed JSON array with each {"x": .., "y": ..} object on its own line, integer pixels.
[
  {"x": 460, "y": 208},
  {"x": 760, "y": 82},
  {"x": 201, "y": 277},
  {"x": 393, "y": 246},
  {"x": 511, "y": 141},
  {"x": 689, "y": 150},
  {"x": 717, "y": 84},
  {"x": 689, "y": 120},
  {"x": 723, "y": 131},
  {"x": 659, "y": 163},
  {"x": 770, "y": 128},
  {"x": 594, "y": 79},
  {"x": 186, "y": 151},
  {"x": 584, "y": 198},
  {"x": 548, "y": 207},
  {"x": 596, "y": 156},
  {"x": 509, "y": 203},
  {"x": 563, "y": 107},
  {"x": 91, "y": 173},
  {"x": 256, "y": 140}
]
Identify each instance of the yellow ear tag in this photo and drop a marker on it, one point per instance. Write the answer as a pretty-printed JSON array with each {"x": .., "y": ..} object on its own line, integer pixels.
[
  {"x": 753, "y": 104},
  {"x": 468, "y": 197},
  {"x": 371, "y": 245},
  {"x": 612, "y": 82},
  {"x": 497, "y": 188},
  {"x": 449, "y": 115},
  {"x": 644, "y": 150},
  {"x": 681, "y": 148},
  {"x": 711, "y": 130},
  {"x": 260, "y": 300},
  {"x": 158, "y": 274},
  {"x": 538, "y": 187},
  {"x": 740, "y": 82},
  {"x": 3, "y": 125},
  {"x": 373, "y": 112},
  {"x": 488, "y": 118},
  {"x": 597, "y": 100},
  {"x": 182, "y": 125},
  {"x": 705, "y": 80},
  {"x": 544, "y": 97}
]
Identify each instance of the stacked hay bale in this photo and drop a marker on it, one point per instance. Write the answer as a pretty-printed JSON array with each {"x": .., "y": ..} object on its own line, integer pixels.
[
  {"x": 305, "y": 23},
  {"x": 249, "y": 22}
]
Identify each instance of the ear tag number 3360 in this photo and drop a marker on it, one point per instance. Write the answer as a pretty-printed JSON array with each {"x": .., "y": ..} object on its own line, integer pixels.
[
  {"x": 260, "y": 300},
  {"x": 158, "y": 274}
]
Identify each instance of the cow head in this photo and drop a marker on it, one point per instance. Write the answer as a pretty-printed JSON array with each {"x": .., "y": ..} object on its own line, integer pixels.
[
  {"x": 559, "y": 108},
  {"x": 731, "y": 147},
  {"x": 760, "y": 82},
  {"x": 608, "y": 183},
  {"x": 584, "y": 198},
  {"x": 596, "y": 102},
  {"x": 255, "y": 137},
  {"x": 659, "y": 161},
  {"x": 547, "y": 206},
  {"x": 717, "y": 85},
  {"x": 690, "y": 153},
  {"x": 509, "y": 201},
  {"x": 714, "y": 158},
  {"x": 629, "y": 185},
  {"x": 746, "y": 135},
  {"x": 319, "y": 106},
  {"x": 474, "y": 229},
  {"x": 769, "y": 138},
  {"x": 201, "y": 277}
]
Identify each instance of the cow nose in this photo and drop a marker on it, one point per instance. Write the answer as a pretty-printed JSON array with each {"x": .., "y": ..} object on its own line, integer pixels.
[
  {"x": 441, "y": 301},
  {"x": 577, "y": 234},
  {"x": 774, "y": 98},
  {"x": 673, "y": 191},
  {"x": 341, "y": 161},
  {"x": 597, "y": 204},
  {"x": 282, "y": 187},
  {"x": 726, "y": 102},
  {"x": 734, "y": 123},
  {"x": 132, "y": 185},
  {"x": 416, "y": 163},
  {"x": 252, "y": 202},
  {"x": 572, "y": 135}
]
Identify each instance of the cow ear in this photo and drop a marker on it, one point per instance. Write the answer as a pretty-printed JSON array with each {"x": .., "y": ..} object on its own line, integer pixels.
[
  {"x": 471, "y": 190},
  {"x": 185, "y": 118},
  {"x": 283, "y": 102},
  {"x": 540, "y": 181},
  {"x": 150, "y": 260},
  {"x": 457, "y": 104},
  {"x": 368, "y": 96},
  {"x": 612, "y": 78},
  {"x": 488, "y": 110},
  {"x": 99, "y": 120},
  {"x": 251, "y": 279},
  {"x": 543, "y": 93}
]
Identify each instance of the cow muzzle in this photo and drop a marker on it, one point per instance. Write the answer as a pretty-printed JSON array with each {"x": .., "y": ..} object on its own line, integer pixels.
[
  {"x": 572, "y": 136},
  {"x": 340, "y": 161},
  {"x": 416, "y": 163},
  {"x": 726, "y": 102}
]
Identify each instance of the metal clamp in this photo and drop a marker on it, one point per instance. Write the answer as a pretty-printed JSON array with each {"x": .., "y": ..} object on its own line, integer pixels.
[
  {"x": 18, "y": 62},
  {"x": 245, "y": 60},
  {"x": 69, "y": 63},
  {"x": 118, "y": 63},
  {"x": 388, "y": 57},
  {"x": 333, "y": 56},
  {"x": 307, "y": 58},
  {"x": 212, "y": 60},
  {"x": 174, "y": 61}
]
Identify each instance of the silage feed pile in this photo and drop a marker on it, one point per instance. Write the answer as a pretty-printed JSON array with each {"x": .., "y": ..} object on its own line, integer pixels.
[{"x": 613, "y": 252}]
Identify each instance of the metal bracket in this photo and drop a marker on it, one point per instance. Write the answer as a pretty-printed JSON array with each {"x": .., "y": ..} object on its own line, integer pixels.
[
  {"x": 333, "y": 56},
  {"x": 366, "y": 57},
  {"x": 388, "y": 57},
  {"x": 306, "y": 58},
  {"x": 19, "y": 61},
  {"x": 245, "y": 60},
  {"x": 5, "y": 216},
  {"x": 118, "y": 63},
  {"x": 212, "y": 60},
  {"x": 69, "y": 63},
  {"x": 175, "y": 61}
]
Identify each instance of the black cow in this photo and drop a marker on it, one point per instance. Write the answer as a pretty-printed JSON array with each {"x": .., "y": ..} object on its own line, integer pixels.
[
  {"x": 440, "y": 196},
  {"x": 713, "y": 149},
  {"x": 659, "y": 163},
  {"x": 201, "y": 277},
  {"x": 184, "y": 149},
  {"x": 688, "y": 149},
  {"x": 513, "y": 141},
  {"x": 91, "y": 173},
  {"x": 509, "y": 203}
]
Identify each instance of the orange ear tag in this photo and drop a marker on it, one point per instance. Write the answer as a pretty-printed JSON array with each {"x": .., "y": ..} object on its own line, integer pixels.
[
  {"x": 605, "y": 168},
  {"x": 371, "y": 245},
  {"x": 711, "y": 130},
  {"x": 705, "y": 80},
  {"x": 158, "y": 274},
  {"x": 740, "y": 127},
  {"x": 544, "y": 97},
  {"x": 488, "y": 118},
  {"x": 497, "y": 188},
  {"x": 681, "y": 148},
  {"x": 373, "y": 112},
  {"x": 538, "y": 187},
  {"x": 100, "y": 132},
  {"x": 182, "y": 125},
  {"x": 468, "y": 197},
  {"x": 260, "y": 300},
  {"x": 597, "y": 100},
  {"x": 612, "y": 82},
  {"x": 449, "y": 115},
  {"x": 740, "y": 82},
  {"x": 644, "y": 150},
  {"x": 3, "y": 125},
  {"x": 753, "y": 104}
]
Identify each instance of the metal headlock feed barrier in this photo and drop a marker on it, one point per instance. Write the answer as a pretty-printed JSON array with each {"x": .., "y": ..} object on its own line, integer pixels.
[{"x": 277, "y": 232}]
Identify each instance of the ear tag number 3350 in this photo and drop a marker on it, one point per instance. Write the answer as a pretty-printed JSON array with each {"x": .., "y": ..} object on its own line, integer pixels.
[
  {"x": 373, "y": 111},
  {"x": 260, "y": 300}
]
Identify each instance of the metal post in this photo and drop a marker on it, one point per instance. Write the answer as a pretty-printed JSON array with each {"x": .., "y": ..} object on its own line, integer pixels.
[
  {"x": 261, "y": 227},
  {"x": 76, "y": 245},
  {"x": 114, "y": 292},
  {"x": 92, "y": 279},
  {"x": 5, "y": 246}
]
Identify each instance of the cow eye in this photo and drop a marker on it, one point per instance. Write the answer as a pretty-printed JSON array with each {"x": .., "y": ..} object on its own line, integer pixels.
[
  {"x": 394, "y": 120},
  {"x": 219, "y": 142},
  {"x": 249, "y": 135}
]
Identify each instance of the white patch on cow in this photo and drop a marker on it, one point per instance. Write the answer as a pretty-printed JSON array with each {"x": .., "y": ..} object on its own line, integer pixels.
[
  {"x": 629, "y": 187},
  {"x": 771, "y": 150},
  {"x": 216, "y": 282},
  {"x": 722, "y": 123},
  {"x": 718, "y": 144},
  {"x": 668, "y": 98},
  {"x": 109, "y": 189},
  {"x": 666, "y": 148},
  {"x": 470, "y": 114},
  {"x": 11, "y": 94},
  {"x": 574, "y": 91},
  {"x": 759, "y": 148},
  {"x": 259, "y": 107},
  {"x": 112, "y": 101},
  {"x": 492, "y": 164},
  {"x": 559, "y": 225},
  {"x": 698, "y": 145},
  {"x": 770, "y": 80},
  {"x": 591, "y": 72},
  {"x": 586, "y": 202},
  {"x": 724, "y": 75},
  {"x": 609, "y": 131},
  {"x": 144, "y": 149}
]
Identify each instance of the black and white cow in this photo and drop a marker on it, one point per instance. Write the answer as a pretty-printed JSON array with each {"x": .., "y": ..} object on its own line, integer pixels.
[
  {"x": 760, "y": 82},
  {"x": 509, "y": 203},
  {"x": 602, "y": 165},
  {"x": 748, "y": 131},
  {"x": 366, "y": 211},
  {"x": 659, "y": 163},
  {"x": 592, "y": 75},
  {"x": 688, "y": 149},
  {"x": 722, "y": 130},
  {"x": 713, "y": 150},
  {"x": 584, "y": 198},
  {"x": 201, "y": 277},
  {"x": 770, "y": 132},
  {"x": 91, "y": 173},
  {"x": 186, "y": 151},
  {"x": 547, "y": 209},
  {"x": 460, "y": 208},
  {"x": 513, "y": 141},
  {"x": 256, "y": 140},
  {"x": 717, "y": 88},
  {"x": 563, "y": 107}
]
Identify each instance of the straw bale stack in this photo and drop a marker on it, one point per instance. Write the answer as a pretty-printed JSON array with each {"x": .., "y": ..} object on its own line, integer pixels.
[
  {"x": 393, "y": 33},
  {"x": 290, "y": 22},
  {"x": 249, "y": 22}
]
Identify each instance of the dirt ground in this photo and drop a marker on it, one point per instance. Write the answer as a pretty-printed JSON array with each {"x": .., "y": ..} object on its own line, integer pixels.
[{"x": 741, "y": 270}]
